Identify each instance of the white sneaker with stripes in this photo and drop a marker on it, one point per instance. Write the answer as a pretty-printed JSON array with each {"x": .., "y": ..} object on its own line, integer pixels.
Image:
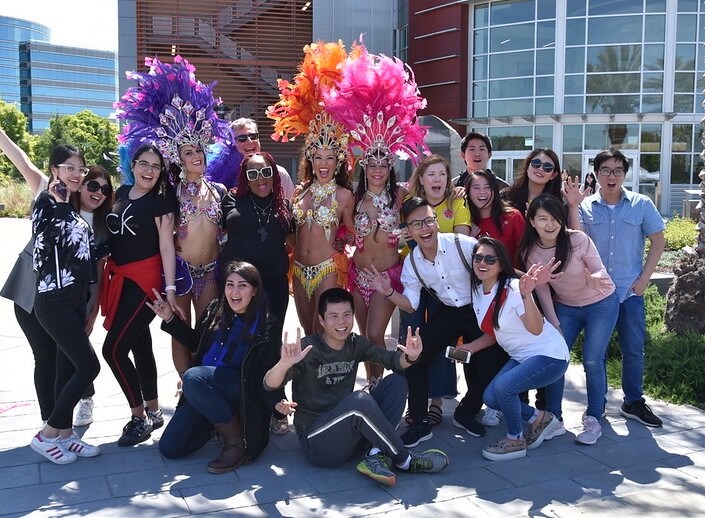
[
  {"x": 52, "y": 449},
  {"x": 75, "y": 444}
]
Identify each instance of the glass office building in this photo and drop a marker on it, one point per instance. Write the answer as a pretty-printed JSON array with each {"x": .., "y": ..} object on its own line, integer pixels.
[
  {"x": 12, "y": 32},
  {"x": 580, "y": 76},
  {"x": 65, "y": 80}
]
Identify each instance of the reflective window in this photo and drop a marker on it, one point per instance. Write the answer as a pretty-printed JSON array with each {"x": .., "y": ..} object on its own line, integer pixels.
[
  {"x": 543, "y": 136},
  {"x": 687, "y": 6},
  {"x": 544, "y": 85},
  {"x": 684, "y": 104},
  {"x": 575, "y": 8},
  {"x": 573, "y": 138},
  {"x": 545, "y": 62},
  {"x": 546, "y": 34},
  {"x": 598, "y": 7},
  {"x": 480, "y": 41},
  {"x": 512, "y": 64},
  {"x": 479, "y": 109},
  {"x": 512, "y": 37},
  {"x": 479, "y": 91},
  {"x": 653, "y": 57},
  {"x": 574, "y": 84},
  {"x": 512, "y": 11},
  {"x": 684, "y": 82},
  {"x": 687, "y": 27},
  {"x": 651, "y": 103},
  {"x": 615, "y": 29},
  {"x": 511, "y": 88},
  {"x": 603, "y": 136},
  {"x": 612, "y": 103},
  {"x": 480, "y": 67},
  {"x": 613, "y": 83},
  {"x": 623, "y": 58},
  {"x": 654, "y": 28},
  {"x": 680, "y": 168},
  {"x": 655, "y": 6},
  {"x": 544, "y": 106},
  {"x": 573, "y": 104},
  {"x": 545, "y": 9},
  {"x": 575, "y": 31},
  {"x": 481, "y": 15},
  {"x": 685, "y": 57},
  {"x": 651, "y": 137},
  {"x": 511, "y": 107},
  {"x": 653, "y": 82},
  {"x": 574, "y": 59},
  {"x": 572, "y": 164},
  {"x": 510, "y": 138}
]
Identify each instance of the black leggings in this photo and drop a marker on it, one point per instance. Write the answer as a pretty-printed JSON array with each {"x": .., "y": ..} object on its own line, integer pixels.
[
  {"x": 44, "y": 351},
  {"x": 62, "y": 313},
  {"x": 277, "y": 291},
  {"x": 130, "y": 332}
]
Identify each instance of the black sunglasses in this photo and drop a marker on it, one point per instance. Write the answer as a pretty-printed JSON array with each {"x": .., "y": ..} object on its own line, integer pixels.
[
  {"x": 246, "y": 136},
  {"x": 265, "y": 172},
  {"x": 537, "y": 164},
  {"x": 488, "y": 259},
  {"x": 94, "y": 186}
]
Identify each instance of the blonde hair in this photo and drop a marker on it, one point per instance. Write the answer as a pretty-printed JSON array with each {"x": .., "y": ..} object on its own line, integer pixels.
[{"x": 415, "y": 187}]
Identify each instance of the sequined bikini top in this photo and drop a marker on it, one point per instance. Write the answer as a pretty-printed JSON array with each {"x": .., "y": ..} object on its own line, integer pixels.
[
  {"x": 321, "y": 215},
  {"x": 387, "y": 220},
  {"x": 188, "y": 210}
]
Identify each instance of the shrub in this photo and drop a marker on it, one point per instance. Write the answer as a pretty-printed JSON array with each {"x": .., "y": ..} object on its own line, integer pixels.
[
  {"x": 16, "y": 197},
  {"x": 680, "y": 233}
]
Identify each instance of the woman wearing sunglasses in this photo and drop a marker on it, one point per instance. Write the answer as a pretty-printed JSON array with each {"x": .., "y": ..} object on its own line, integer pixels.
[
  {"x": 19, "y": 286},
  {"x": 257, "y": 218},
  {"x": 542, "y": 173},
  {"x": 583, "y": 298},
  {"x": 505, "y": 308}
]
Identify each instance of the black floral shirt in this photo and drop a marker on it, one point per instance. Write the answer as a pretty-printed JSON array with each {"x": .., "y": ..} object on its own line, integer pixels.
[{"x": 63, "y": 245}]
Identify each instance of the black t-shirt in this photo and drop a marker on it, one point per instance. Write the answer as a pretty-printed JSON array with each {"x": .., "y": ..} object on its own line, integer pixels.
[
  {"x": 133, "y": 231},
  {"x": 245, "y": 240}
]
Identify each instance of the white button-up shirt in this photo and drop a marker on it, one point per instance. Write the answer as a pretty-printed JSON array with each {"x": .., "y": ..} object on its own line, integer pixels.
[{"x": 446, "y": 274}]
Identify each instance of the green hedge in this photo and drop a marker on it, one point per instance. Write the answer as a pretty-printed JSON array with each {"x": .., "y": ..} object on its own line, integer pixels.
[{"x": 674, "y": 368}]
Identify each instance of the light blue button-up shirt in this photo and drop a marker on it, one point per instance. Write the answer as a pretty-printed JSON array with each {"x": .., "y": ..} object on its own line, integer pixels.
[{"x": 620, "y": 234}]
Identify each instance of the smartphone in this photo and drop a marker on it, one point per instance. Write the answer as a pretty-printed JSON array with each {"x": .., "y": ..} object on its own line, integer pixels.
[
  {"x": 61, "y": 189},
  {"x": 461, "y": 355}
]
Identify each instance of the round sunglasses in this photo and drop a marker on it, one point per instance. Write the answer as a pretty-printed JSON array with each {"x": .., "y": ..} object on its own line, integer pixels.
[
  {"x": 546, "y": 166},
  {"x": 94, "y": 186}
]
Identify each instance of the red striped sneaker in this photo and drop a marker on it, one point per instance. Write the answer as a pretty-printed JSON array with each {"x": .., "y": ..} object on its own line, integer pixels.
[
  {"x": 52, "y": 449},
  {"x": 74, "y": 444}
]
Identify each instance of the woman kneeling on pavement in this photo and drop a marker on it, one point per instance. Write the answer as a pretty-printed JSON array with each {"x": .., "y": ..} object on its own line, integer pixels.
[
  {"x": 538, "y": 353},
  {"x": 235, "y": 343}
]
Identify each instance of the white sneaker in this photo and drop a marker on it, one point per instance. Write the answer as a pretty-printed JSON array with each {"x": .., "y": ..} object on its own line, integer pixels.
[
  {"x": 557, "y": 429},
  {"x": 52, "y": 449},
  {"x": 491, "y": 417},
  {"x": 592, "y": 431},
  {"x": 84, "y": 412},
  {"x": 75, "y": 444}
]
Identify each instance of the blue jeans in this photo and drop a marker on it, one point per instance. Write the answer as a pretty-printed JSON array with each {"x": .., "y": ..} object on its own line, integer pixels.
[
  {"x": 598, "y": 320},
  {"x": 211, "y": 396},
  {"x": 515, "y": 378},
  {"x": 631, "y": 328}
]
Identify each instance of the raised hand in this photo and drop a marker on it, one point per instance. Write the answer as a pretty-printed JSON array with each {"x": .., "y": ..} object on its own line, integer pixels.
[
  {"x": 380, "y": 281},
  {"x": 574, "y": 194},
  {"x": 545, "y": 273},
  {"x": 291, "y": 353},
  {"x": 414, "y": 344},
  {"x": 160, "y": 307}
]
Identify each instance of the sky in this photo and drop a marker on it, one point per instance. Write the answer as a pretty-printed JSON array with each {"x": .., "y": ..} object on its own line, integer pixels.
[{"x": 77, "y": 23}]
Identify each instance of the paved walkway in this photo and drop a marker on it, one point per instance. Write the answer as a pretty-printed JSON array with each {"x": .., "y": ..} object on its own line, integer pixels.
[{"x": 632, "y": 471}]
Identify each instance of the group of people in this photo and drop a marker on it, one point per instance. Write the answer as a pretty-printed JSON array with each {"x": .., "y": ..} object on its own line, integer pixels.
[{"x": 507, "y": 276}]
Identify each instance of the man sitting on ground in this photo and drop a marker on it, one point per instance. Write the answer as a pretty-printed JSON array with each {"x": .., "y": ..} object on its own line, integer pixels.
[{"x": 334, "y": 422}]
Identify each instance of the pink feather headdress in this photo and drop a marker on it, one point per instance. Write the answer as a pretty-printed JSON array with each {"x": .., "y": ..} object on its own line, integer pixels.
[{"x": 376, "y": 99}]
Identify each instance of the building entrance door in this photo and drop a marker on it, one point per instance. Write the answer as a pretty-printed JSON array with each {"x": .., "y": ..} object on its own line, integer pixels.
[{"x": 507, "y": 164}]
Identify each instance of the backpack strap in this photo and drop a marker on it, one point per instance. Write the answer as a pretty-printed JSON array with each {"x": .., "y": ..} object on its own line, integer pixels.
[
  {"x": 431, "y": 291},
  {"x": 462, "y": 255}
]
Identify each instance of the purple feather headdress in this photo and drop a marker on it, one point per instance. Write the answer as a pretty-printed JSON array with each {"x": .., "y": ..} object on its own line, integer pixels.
[
  {"x": 376, "y": 100},
  {"x": 170, "y": 108}
]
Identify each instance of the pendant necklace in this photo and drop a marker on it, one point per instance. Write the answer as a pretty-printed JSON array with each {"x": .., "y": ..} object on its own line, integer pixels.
[{"x": 263, "y": 214}]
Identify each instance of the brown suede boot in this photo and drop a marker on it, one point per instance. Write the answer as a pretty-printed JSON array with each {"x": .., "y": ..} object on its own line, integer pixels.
[{"x": 233, "y": 453}]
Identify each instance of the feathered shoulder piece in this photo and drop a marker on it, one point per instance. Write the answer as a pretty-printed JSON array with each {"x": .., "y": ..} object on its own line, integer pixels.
[
  {"x": 376, "y": 99},
  {"x": 169, "y": 107},
  {"x": 299, "y": 110}
]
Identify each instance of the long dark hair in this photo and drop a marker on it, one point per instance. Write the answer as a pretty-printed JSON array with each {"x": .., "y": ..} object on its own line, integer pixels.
[
  {"x": 518, "y": 192},
  {"x": 362, "y": 186},
  {"x": 342, "y": 178},
  {"x": 498, "y": 208},
  {"x": 242, "y": 190},
  {"x": 100, "y": 227},
  {"x": 255, "y": 316},
  {"x": 506, "y": 274},
  {"x": 530, "y": 239},
  {"x": 163, "y": 187},
  {"x": 61, "y": 153}
]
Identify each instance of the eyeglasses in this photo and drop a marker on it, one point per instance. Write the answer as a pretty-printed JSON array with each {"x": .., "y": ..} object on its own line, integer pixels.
[
  {"x": 72, "y": 169},
  {"x": 265, "y": 172},
  {"x": 617, "y": 172},
  {"x": 144, "y": 165},
  {"x": 247, "y": 136},
  {"x": 488, "y": 259},
  {"x": 94, "y": 186},
  {"x": 546, "y": 166},
  {"x": 430, "y": 222}
]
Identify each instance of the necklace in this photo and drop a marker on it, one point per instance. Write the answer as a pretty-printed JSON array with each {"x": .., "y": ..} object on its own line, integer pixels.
[
  {"x": 192, "y": 188},
  {"x": 379, "y": 201},
  {"x": 262, "y": 214}
]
